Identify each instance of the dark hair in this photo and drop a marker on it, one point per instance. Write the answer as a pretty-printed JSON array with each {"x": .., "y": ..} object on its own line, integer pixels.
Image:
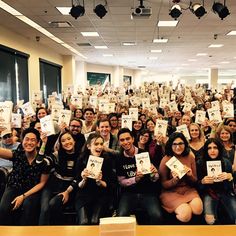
[
  {"x": 219, "y": 145},
  {"x": 77, "y": 119},
  {"x": 103, "y": 120},
  {"x": 37, "y": 111},
  {"x": 31, "y": 130},
  {"x": 59, "y": 140},
  {"x": 79, "y": 110},
  {"x": 112, "y": 115},
  {"x": 146, "y": 131},
  {"x": 173, "y": 136},
  {"x": 88, "y": 109},
  {"x": 149, "y": 119},
  {"x": 124, "y": 130}
]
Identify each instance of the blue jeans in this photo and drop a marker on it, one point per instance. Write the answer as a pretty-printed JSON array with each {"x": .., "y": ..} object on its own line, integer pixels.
[
  {"x": 228, "y": 201},
  {"x": 149, "y": 203}
]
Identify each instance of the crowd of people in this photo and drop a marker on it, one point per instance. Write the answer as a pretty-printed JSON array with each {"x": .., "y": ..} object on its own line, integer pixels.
[{"x": 42, "y": 175}]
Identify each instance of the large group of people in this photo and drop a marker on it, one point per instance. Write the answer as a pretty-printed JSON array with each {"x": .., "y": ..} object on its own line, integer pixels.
[{"x": 42, "y": 175}]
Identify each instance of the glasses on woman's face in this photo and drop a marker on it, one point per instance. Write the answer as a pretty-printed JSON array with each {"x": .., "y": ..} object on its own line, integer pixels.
[{"x": 177, "y": 144}]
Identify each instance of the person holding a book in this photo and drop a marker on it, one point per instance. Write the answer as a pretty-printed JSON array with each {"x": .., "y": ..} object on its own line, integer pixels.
[
  {"x": 94, "y": 192},
  {"x": 179, "y": 195},
  {"x": 24, "y": 184},
  {"x": 138, "y": 190},
  {"x": 216, "y": 183}
]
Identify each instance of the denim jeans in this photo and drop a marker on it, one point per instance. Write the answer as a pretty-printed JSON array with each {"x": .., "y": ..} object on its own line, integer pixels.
[
  {"x": 149, "y": 203},
  {"x": 228, "y": 201}
]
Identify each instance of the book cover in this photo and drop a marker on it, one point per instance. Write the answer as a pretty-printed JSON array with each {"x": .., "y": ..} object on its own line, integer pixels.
[
  {"x": 28, "y": 109},
  {"x": 215, "y": 104},
  {"x": 65, "y": 116},
  {"x": 77, "y": 101},
  {"x": 143, "y": 162},
  {"x": 133, "y": 112},
  {"x": 16, "y": 120},
  {"x": 47, "y": 125},
  {"x": 214, "y": 168},
  {"x": 228, "y": 108},
  {"x": 146, "y": 103},
  {"x": 103, "y": 105},
  {"x": 94, "y": 166},
  {"x": 161, "y": 127},
  {"x": 93, "y": 101},
  {"x": 173, "y": 106},
  {"x": 110, "y": 107},
  {"x": 37, "y": 95},
  {"x": 163, "y": 103},
  {"x": 56, "y": 109},
  {"x": 175, "y": 165},
  {"x": 184, "y": 130},
  {"x": 200, "y": 116},
  {"x": 153, "y": 109},
  {"x": 214, "y": 115},
  {"x": 187, "y": 107},
  {"x": 126, "y": 122}
]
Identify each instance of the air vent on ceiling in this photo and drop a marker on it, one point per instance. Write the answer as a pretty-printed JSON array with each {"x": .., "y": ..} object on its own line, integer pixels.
[
  {"x": 141, "y": 67},
  {"x": 60, "y": 24},
  {"x": 84, "y": 44}
]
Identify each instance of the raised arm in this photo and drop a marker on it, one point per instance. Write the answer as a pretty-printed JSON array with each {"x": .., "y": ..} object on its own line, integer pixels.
[{"x": 6, "y": 153}]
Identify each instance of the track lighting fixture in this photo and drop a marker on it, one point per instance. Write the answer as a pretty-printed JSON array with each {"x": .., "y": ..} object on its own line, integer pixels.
[
  {"x": 100, "y": 10},
  {"x": 175, "y": 11},
  {"x": 198, "y": 9},
  {"x": 77, "y": 10},
  {"x": 220, "y": 9}
]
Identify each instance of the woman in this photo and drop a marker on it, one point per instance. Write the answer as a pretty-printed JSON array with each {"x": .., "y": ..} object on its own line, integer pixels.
[
  {"x": 26, "y": 180},
  {"x": 113, "y": 119},
  {"x": 53, "y": 201},
  {"x": 216, "y": 191},
  {"x": 179, "y": 195},
  {"x": 144, "y": 140},
  {"x": 78, "y": 113},
  {"x": 197, "y": 140},
  {"x": 137, "y": 126},
  {"x": 94, "y": 194}
]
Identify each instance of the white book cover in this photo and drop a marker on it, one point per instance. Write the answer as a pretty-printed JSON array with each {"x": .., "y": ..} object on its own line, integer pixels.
[
  {"x": 28, "y": 109},
  {"x": 16, "y": 120},
  {"x": 175, "y": 165},
  {"x": 143, "y": 162},
  {"x": 126, "y": 122},
  {"x": 214, "y": 115},
  {"x": 110, "y": 107},
  {"x": 228, "y": 108},
  {"x": 173, "y": 106},
  {"x": 65, "y": 116},
  {"x": 47, "y": 125},
  {"x": 153, "y": 109},
  {"x": 93, "y": 100},
  {"x": 163, "y": 103},
  {"x": 200, "y": 116},
  {"x": 135, "y": 101},
  {"x": 215, "y": 104},
  {"x": 184, "y": 130},
  {"x": 133, "y": 112},
  {"x": 187, "y": 107},
  {"x": 154, "y": 95},
  {"x": 173, "y": 97},
  {"x": 55, "y": 113},
  {"x": 214, "y": 168},
  {"x": 161, "y": 127},
  {"x": 146, "y": 103},
  {"x": 51, "y": 101},
  {"x": 94, "y": 166},
  {"x": 77, "y": 101},
  {"x": 37, "y": 95},
  {"x": 5, "y": 112},
  {"x": 103, "y": 104}
]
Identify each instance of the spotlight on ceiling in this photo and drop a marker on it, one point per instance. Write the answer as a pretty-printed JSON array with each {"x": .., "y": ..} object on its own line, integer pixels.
[
  {"x": 175, "y": 11},
  {"x": 77, "y": 11},
  {"x": 220, "y": 9},
  {"x": 100, "y": 10},
  {"x": 198, "y": 9}
]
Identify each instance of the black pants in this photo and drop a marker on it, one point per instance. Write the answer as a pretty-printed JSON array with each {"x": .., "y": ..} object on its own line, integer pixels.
[{"x": 27, "y": 214}]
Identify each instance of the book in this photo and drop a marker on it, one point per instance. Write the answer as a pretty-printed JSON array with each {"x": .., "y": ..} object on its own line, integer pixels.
[
  {"x": 163, "y": 103},
  {"x": 93, "y": 101},
  {"x": 214, "y": 115},
  {"x": 215, "y": 104},
  {"x": 133, "y": 112},
  {"x": 110, "y": 107},
  {"x": 175, "y": 165},
  {"x": 94, "y": 166},
  {"x": 228, "y": 108},
  {"x": 16, "y": 120},
  {"x": 77, "y": 101},
  {"x": 184, "y": 130},
  {"x": 200, "y": 116},
  {"x": 161, "y": 127},
  {"x": 187, "y": 107},
  {"x": 126, "y": 122},
  {"x": 37, "y": 95},
  {"x": 28, "y": 109},
  {"x": 214, "y": 168},
  {"x": 47, "y": 125},
  {"x": 56, "y": 109},
  {"x": 145, "y": 103},
  {"x": 87, "y": 135},
  {"x": 65, "y": 116},
  {"x": 143, "y": 162},
  {"x": 103, "y": 105},
  {"x": 173, "y": 106}
]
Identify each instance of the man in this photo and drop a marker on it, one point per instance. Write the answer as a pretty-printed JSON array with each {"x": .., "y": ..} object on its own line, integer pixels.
[{"x": 137, "y": 190}]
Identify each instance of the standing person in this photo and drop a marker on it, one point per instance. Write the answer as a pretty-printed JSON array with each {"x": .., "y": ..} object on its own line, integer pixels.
[
  {"x": 220, "y": 193},
  {"x": 137, "y": 190},
  {"x": 179, "y": 195},
  {"x": 27, "y": 179},
  {"x": 94, "y": 196}
]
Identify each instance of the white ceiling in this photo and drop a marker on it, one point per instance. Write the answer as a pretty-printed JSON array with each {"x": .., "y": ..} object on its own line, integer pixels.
[{"x": 191, "y": 36}]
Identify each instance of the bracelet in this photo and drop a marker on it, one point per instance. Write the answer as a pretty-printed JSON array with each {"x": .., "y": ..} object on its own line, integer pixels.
[{"x": 24, "y": 196}]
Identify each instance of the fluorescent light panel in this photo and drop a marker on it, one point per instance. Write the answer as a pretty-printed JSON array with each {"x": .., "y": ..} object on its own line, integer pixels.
[
  {"x": 233, "y": 32},
  {"x": 9, "y": 9},
  {"x": 152, "y": 58},
  {"x": 90, "y": 34},
  {"x": 160, "y": 40},
  {"x": 156, "y": 50},
  {"x": 108, "y": 55},
  {"x": 216, "y": 45},
  {"x": 167, "y": 23},
  {"x": 64, "y": 10},
  {"x": 101, "y": 47},
  {"x": 128, "y": 43},
  {"x": 201, "y": 54}
]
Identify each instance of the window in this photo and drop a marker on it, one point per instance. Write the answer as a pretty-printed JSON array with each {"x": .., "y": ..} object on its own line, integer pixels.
[
  {"x": 14, "y": 82},
  {"x": 98, "y": 78},
  {"x": 50, "y": 78},
  {"x": 127, "y": 80}
]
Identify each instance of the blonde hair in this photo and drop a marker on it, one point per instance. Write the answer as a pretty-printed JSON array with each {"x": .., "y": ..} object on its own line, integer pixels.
[{"x": 201, "y": 135}]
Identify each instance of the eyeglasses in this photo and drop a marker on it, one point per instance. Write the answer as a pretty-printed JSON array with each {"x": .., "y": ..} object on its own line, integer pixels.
[
  {"x": 7, "y": 136},
  {"x": 75, "y": 126},
  {"x": 177, "y": 144}
]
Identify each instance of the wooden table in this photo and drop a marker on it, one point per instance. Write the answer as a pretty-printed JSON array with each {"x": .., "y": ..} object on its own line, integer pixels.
[{"x": 172, "y": 230}]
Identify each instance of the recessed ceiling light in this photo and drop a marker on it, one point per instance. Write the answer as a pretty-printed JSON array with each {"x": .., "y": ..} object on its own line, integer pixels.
[
  {"x": 152, "y": 58},
  {"x": 90, "y": 34},
  {"x": 101, "y": 47},
  {"x": 192, "y": 59},
  {"x": 201, "y": 54},
  {"x": 169, "y": 23},
  {"x": 156, "y": 50},
  {"x": 224, "y": 62},
  {"x": 9, "y": 9},
  {"x": 216, "y": 45},
  {"x": 233, "y": 32},
  {"x": 128, "y": 43},
  {"x": 108, "y": 55},
  {"x": 64, "y": 10},
  {"x": 160, "y": 40}
]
